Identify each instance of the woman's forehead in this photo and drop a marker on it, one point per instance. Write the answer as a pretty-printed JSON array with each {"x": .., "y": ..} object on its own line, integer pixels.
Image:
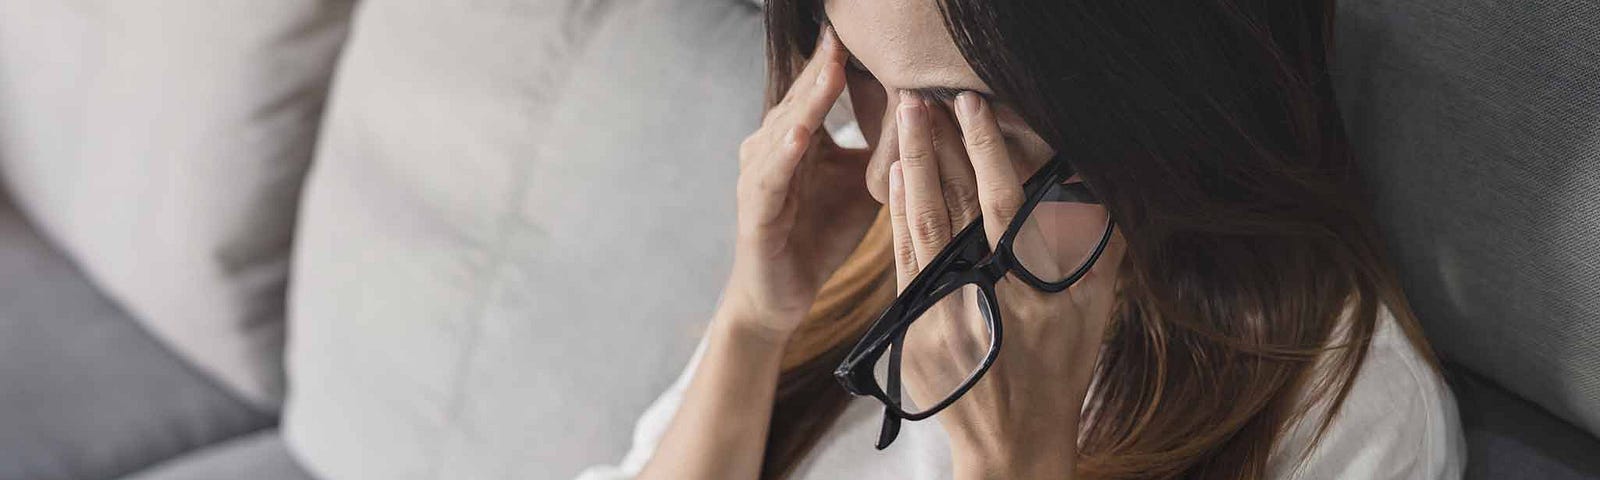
[{"x": 904, "y": 43}]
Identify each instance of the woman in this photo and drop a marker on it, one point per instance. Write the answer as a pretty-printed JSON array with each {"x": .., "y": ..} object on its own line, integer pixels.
[{"x": 1241, "y": 322}]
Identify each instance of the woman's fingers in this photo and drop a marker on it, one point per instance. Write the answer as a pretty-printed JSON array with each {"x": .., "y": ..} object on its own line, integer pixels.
[
  {"x": 956, "y": 179},
  {"x": 790, "y": 128},
  {"x": 821, "y": 80},
  {"x": 927, "y": 218},
  {"x": 826, "y": 74},
  {"x": 905, "y": 256},
  {"x": 770, "y": 181},
  {"x": 999, "y": 190},
  {"x": 820, "y": 84}
]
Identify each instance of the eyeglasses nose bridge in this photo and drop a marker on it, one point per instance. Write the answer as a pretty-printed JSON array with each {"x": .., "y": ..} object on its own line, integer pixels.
[{"x": 993, "y": 268}]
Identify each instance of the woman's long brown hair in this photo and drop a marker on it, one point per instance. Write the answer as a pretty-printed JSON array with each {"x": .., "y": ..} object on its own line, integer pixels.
[{"x": 1211, "y": 131}]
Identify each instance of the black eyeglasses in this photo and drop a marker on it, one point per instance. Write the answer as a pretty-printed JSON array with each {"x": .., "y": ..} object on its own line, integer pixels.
[{"x": 1063, "y": 228}]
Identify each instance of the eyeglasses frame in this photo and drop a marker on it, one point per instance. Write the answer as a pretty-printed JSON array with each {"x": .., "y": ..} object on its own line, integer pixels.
[{"x": 950, "y": 270}]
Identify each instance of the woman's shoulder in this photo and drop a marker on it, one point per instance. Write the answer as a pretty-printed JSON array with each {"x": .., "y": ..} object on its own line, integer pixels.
[
  {"x": 1399, "y": 420},
  {"x": 845, "y": 451}
]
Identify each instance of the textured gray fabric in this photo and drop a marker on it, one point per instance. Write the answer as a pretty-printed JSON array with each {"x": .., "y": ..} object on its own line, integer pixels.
[
  {"x": 516, "y": 224},
  {"x": 161, "y": 145},
  {"x": 259, "y": 456},
  {"x": 1510, "y": 438},
  {"x": 85, "y": 393},
  {"x": 1480, "y": 125}
]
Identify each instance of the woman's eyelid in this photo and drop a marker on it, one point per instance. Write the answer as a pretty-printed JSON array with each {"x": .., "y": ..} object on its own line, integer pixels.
[{"x": 943, "y": 95}]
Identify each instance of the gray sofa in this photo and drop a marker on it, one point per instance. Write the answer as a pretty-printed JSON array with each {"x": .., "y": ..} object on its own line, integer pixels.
[{"x": 328, "y": 239}]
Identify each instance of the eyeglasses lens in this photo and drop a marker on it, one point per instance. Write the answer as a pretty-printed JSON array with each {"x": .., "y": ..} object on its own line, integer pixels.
[
  {"x": 1061, "y": 233},
  {"x": 941, "y": 349}
]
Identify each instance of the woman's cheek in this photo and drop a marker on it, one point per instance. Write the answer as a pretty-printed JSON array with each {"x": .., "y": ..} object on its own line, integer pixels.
[{"x": 1028, "y": 150}]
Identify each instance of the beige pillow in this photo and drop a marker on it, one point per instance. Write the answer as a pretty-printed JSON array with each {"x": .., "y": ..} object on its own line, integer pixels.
[
  {"x": 162, "y": 144},
  {"x": 519, "y": 219}
]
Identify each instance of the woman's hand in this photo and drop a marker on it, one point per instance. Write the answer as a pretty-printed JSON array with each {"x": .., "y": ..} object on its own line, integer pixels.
[
  {"x": 803, "y": 208},
  {"x": 802, "y": 205},
  {"x": 1021, "y": 419}
]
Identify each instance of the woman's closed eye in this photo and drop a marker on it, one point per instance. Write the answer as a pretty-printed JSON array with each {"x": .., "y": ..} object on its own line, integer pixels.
[{"x": 944, "y": 95}]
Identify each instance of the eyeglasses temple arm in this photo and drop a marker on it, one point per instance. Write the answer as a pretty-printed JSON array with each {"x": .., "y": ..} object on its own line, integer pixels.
[{"x": 891, "y": 423}]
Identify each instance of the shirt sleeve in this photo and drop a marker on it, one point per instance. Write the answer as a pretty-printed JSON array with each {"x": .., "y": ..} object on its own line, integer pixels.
[
  {"x": 648, "y": 430},
  {"x": 1398, "y": 422}
]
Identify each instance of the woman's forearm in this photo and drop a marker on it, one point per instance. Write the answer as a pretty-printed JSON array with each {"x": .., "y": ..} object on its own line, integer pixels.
[{"x": 720, "y": 429}]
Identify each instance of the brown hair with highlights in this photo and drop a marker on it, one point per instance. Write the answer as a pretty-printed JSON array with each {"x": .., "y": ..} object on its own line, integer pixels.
[{"x": 1254, "y": 274}]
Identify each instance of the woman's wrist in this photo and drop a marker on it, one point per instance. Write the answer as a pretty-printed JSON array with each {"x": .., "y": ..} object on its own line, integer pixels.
[
  {"x": 718, "y": 429},
  {"x": 748, "y": 325},
  {"x": 742, "y": 312}
]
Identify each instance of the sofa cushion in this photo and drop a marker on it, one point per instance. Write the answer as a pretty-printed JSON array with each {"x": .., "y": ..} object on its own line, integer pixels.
[
  {"x": 162, "y": 145},
  {"x": 258, "y": 456},
  {"x": 1478, "y": 124},
  {"x": 85, "y": 393},
  {"x": 518, "y": 220},
  {"x": 1508, "y": 437}
]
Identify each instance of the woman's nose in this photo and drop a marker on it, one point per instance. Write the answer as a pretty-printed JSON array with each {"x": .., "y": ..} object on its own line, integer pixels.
[{"x": 886, "y": 151}]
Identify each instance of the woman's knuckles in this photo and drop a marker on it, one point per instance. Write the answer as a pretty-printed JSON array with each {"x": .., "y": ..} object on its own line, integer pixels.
[
  {"x": 1002, "y": 208},
  {"x": 961, "y": 196},
  {"x": 777, "y": 113},
  {"x": 930, "y": 228},
  {"x": 982, "y": 143}
]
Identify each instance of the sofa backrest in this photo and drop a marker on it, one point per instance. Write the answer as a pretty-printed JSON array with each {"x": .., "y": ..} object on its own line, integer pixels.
[
  {"x": 518, "y": 221},
  {"x": 1480, "y": 126},
  {"x": 451, "y": 319},
  {"x": 162, "y": 145}
]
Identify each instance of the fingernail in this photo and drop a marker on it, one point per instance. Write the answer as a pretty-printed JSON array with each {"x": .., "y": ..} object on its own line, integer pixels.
[
  {"x": 792, "y": 137},
  {"x": 822, "y": 75},
  {"x": 907, "y": 99},
  {"x": 910, "y": 109},
  {"x": 894, "y": 176},
  {"x": 966, "y": 103},
  {"x": 828, "y": 35}
]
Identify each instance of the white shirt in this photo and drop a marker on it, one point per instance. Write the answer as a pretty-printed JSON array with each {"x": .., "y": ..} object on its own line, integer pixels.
[{"x": 1399, "y": 421}]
